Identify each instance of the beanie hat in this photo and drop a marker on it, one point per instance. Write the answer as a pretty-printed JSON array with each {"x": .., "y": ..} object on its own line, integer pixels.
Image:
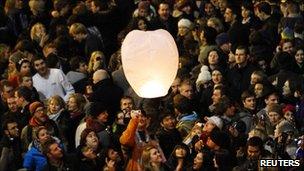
[
  {"x": 204, "y": 76},
  {"x": 289, "y": 107},
  {"x": 220, "y": 138},
  {"x": 222, "y": 39},
  {"x": 144, "y": 5},
  {"x": 215, "y": 120},
  {"x": 184, "y": 23},
  {"x": 34, "y": 106},
  {"x": 287, "y": 34}
]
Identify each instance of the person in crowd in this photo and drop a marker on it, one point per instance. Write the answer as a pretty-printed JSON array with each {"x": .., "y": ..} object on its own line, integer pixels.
[
  {"x": 52, "y": 78},
  {"x": 27, "y": 81},
  {"x": 97, "y": 61},
  {"x": 55, "y": 156},
  {"x": 34, "y": 159},
  {"x": 78, "y": 76},
  {"x": 39, "y": 118},
  {"x": 10, "y": 146},
  {"x": 167, "y": 134},
  {"x": 24, "y": 67},
  {"x": 89, "y": 151},
  {"x": 23, "y": 96},
  {"x": 76, "y": 108},
  {"x": 152, "y": 159}
]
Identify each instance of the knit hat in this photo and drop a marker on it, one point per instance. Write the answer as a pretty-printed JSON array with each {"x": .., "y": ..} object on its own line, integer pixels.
[
  {"x": 204, "y": 76},
  {"x": 222, "y": 39},
  {"x": 184, "y": 23},
  {"x": 220, "y": 138},
  {"x": 289, "y": 107},
  {"x": 34, "y": 106},
  {"x": 287, "y": 34},
  {"x": 215, "y": 120},
  {"x": 144, "y": 5}
]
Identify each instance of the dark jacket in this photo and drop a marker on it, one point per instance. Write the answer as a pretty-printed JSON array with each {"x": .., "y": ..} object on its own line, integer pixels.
[
  {"x": 170, "y": 25},
  {"x": 108, "y": 94},
  {"x": 67, "y": 165},
  {"x": 167, "y": 140},
  {"x": 10, "y": 154}
]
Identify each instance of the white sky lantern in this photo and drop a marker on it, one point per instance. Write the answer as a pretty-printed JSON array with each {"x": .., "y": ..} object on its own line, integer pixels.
[{"x": 150, "y": 62}]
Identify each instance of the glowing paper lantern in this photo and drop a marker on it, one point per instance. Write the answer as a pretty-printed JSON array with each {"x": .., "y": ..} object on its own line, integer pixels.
[{"x": 150, "y": 62}]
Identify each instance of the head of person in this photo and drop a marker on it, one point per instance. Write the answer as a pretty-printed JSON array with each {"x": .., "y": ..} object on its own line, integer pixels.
[
  {"x": 182, "y": 105},
  {"x": 215, "y": 23},
  {"x": 13, "y": 61},
  {"x": 271, "y": 98},
  {"x": 100, "y": 75},
  {"x": 12, "y": 104},
  {"x": 89, "y": 138},
  {"x": 24, "y": 67},
  {"x": 126, "y": 104},
  {"x": 186, "y": 89},
  {"x": 52, "y": 150},
  {"x": 79, "y": 65},
  {"x": 218, "y": 93},
  {"x": 55, "y": 104},
  {"x": 218, "y": 140},
  {"x": 213, "y": 58},
  {"x": 259, "y": 89},
  {"x": 37, "y": 110},
  {"x": 208, "y": 35},
  {"x": 97, "y": 5},
  {"x": 181, "y": 151},
  {"x": 37, "y": 32},
  {"x": 287, "y": 45},
  {"x": 23, "y": 96},
  {"x": 225, "y": 107},
  {"x": 168, "y": 121},
  {"x": 184, "y": 26},
  {"x": 289, "y": 111},
  {"x": 97, "y": 61},
  {"x": 99, "y": 112},
  {"x": 7, "y": 90},
  {"x": 263, "y": 11},
  {"x": 209, "y": 9},
  {"x": 217, "y": 77},
  {"x": 286, "y": 130},
  {"x": 255, "y": 148},
  {"x": 247, "y": 9},
  {"x": 112, "y": 154},
  {"x": 76, "y": 102},
  {"x": 143, "y": 8},
  {"x": 37, "y": 7},
  {"x": 163, "y": 10},
  {"x": 223, "y": 42},
  {"x": 175, "y": 85},
  {"x": 275, "y": 113},
  {"x": 40, "y": 66},
  {"x": 257, "y": 76},
  {"x": 248, "y": 100},
  {"x": 139, "y": 23},
  {"x": 213, "y": 122},
  {"x": 198, "y": 161},
  {"x": 42, "y": 134},
  {"x": 299, "y": 56},
  {"x": 10, "y": 127},
  {"x": 232, "y": 13},
  {"x": 241, "y": 55},
  {"x": 151, "y": 157},
  {"x": 78, "y": 32},
  {"x": 26, "y": 80}
]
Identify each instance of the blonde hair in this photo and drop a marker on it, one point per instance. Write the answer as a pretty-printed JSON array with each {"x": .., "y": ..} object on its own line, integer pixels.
[
  {"x": 34, "y": 30},
  {"x": 57, "y": 99},
  {"x": 77, "y": 28},
  {"x": 93, "y": 57},
  {"x": 219, "y": 27},
  {"x": 36, "y": 6},
  {"x": 146, "y": 157}
]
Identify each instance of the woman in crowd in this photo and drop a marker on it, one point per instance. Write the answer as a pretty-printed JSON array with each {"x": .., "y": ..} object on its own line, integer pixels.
[
  {"x": 97, "y": 61},
  {"x": 152, "y": 159},
  {"x": 34, "y": 159}
]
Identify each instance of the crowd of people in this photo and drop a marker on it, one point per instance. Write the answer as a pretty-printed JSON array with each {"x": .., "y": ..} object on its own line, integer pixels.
[{"x": 237, "y": 99}]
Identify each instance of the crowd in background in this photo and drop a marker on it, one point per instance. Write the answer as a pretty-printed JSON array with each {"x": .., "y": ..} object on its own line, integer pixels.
[{"x": 237, "y": 99}]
